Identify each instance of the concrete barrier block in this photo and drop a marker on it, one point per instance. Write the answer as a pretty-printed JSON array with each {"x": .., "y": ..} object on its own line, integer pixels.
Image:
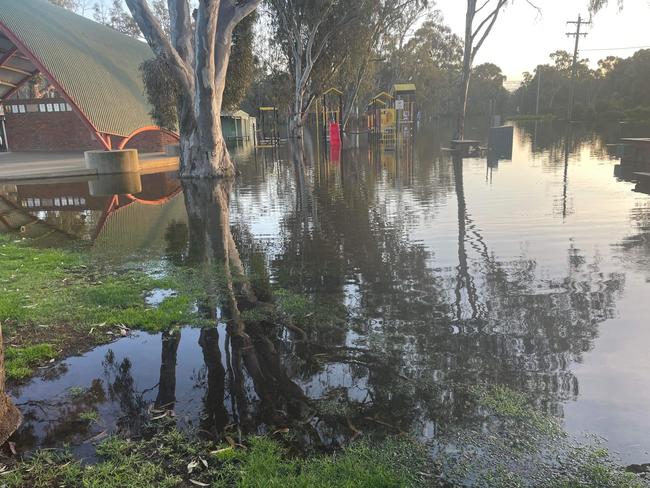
[
  {"x": 115, "y": 184},
  {"x": 112, "y": 162}
]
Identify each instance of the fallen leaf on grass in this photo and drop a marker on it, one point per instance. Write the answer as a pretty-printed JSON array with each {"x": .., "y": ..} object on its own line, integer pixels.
[
  {"x": 191, "y": 466},
  {"x": 198, "y": 483},
  {"x": 221, "y": 451}
]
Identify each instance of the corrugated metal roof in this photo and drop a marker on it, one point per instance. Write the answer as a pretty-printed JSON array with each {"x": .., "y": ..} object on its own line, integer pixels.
[
  {"x": 404, "y": 87},
  {"x": 96, "y": 66}
]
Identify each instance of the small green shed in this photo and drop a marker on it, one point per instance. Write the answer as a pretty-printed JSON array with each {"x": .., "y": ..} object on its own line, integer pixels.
[{"x": 238, "y": 125}]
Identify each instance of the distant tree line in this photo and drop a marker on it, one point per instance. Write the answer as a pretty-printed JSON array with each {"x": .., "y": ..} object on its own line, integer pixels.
[{"x": 617, "y": 89}]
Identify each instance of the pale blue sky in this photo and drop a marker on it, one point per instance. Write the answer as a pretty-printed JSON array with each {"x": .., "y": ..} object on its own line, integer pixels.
[{"x": 522, "y": 39}]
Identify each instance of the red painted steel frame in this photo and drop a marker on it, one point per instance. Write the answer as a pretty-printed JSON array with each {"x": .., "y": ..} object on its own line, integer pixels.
[
  {"x": 8, "y": 55},
  {"x": 149, "y": 128},
  {"x": 159, "y": 201},
  {"x": 19, "y": 84}
]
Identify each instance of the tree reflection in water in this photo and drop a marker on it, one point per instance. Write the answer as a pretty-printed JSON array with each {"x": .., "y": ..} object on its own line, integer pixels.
[
  {"x": 436, "y": 331},
  {"x": 414, "y": 336},
  {"x": 250, "y": 344}
]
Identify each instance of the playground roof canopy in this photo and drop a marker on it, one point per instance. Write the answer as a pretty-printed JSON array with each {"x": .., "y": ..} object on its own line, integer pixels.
[
  {"x": 404, "y": 88},
  {"x": 93, "y": 66}
]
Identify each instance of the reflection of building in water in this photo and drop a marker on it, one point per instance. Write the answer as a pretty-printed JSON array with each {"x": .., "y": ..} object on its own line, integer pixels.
[{"x": 99, "y": 210}]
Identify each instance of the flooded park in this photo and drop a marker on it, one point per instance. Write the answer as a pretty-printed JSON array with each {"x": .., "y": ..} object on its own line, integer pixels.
[
  {"x": 425, "y": 275},
  {"x": 324, "y": 244}
]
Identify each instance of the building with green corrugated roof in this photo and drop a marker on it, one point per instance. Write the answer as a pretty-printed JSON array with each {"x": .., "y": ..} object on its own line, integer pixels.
[{"x": 94, "y": 70}]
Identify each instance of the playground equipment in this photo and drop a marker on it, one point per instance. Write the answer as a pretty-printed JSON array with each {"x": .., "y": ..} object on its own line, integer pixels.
[
  {"x": 331, "y": 111},
  {"x": 382, "y": 118},
  {"x": 393, "y": 116},
  {"x": 268, "y": 132},
  {"x": 404, "y": 104}
]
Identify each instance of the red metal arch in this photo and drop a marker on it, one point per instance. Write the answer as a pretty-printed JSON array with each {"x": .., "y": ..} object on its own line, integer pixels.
[
  {"x": 158, "y": 201},
  {"x": 148, "y": 128}
]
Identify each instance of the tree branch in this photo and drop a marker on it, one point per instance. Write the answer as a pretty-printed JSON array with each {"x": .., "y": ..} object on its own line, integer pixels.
[
  {"x": 180, "y": 20},
  {"x": 493, "y": 16},
  {"x": 158, "y": 41},
  {"x": 488, "y": 18},
  {"x": 244, "y": 9}
]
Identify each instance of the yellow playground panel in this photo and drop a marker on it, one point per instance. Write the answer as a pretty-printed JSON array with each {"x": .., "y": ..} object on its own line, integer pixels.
[{"x": 404, "y": 103}]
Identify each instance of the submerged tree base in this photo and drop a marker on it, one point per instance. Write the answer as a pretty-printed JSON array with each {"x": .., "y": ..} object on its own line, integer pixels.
[{"x": 200, "y": 163}]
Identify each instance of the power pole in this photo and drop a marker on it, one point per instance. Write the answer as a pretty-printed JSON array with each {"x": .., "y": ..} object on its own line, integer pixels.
[
  {"x": 539, "y": 86},
  {"x": 574, "y": 68}
]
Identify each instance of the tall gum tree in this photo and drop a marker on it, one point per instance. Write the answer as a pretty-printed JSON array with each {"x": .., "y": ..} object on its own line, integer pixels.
[
  {"x": 378, "y": 21},
  {"x": 480, "y": 18},
  {"x": 197, "y": 52},
  {"x": 314, "y": 36}
]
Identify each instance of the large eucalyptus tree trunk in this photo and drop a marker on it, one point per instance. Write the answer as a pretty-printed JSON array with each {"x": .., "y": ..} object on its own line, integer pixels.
[
  {"x": 208, "y": 155},
  {"x": 197, "y": 52}
]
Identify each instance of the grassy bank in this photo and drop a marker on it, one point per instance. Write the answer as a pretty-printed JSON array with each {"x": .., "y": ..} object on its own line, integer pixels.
[
  {"x": 172, "y": 459},
  {"x": 54, "y": 303},
  {"x": 509, "y": 445}
]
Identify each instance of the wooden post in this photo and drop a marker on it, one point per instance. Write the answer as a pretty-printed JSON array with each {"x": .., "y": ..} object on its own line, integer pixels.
[{"x": 10, "y": 417}]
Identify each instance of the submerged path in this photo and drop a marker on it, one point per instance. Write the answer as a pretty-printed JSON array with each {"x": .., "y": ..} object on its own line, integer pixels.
[{"x": 39, "y": 165}]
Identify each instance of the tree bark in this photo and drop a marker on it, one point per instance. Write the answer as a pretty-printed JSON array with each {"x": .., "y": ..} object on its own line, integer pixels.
[
  {"x": 10, "y": 417},
  {"x": 200, "y": 70},
  {"x": 466, "y": 70}
]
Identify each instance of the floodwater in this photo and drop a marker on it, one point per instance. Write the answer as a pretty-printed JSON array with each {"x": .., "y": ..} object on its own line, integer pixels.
[{"x": 531, "y": 271}]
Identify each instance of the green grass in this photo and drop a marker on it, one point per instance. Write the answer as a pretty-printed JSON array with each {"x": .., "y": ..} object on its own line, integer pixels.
[
  {"x": 90, "y": 416},
  {"x": 172, "y": 459},
  {"x": 59, "y": 297},
  {"x": 302, "y": 310},
  {"x": 57, "y": 292},
  {"x": 53, "y": 286},
  {"x": 20, "y": 362},
  {"x": 506, "y": 403}
]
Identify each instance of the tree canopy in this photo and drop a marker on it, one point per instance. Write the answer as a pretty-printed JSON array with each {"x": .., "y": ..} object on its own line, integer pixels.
[{"x": 616, "y": 89}]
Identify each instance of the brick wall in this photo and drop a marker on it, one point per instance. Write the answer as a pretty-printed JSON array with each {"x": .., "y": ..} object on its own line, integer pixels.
[
  {"x": 151, "y": 141},
  {"x": 33, "y": 130},
  {"x": 32, "y": 125}
]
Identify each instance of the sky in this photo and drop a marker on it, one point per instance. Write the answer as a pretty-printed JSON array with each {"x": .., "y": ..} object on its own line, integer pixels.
[{"x": 524, "y": 38}]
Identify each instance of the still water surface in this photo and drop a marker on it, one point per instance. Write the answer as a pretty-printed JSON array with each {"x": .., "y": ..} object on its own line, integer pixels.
[{"x": 533, "y": 272}]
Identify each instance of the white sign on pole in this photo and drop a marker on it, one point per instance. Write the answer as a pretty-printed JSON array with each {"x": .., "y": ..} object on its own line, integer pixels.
[{"x": 399, "y": 104}]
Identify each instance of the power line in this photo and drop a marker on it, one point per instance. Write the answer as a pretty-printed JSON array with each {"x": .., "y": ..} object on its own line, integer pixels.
[{"x": 616, "y": 48}]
